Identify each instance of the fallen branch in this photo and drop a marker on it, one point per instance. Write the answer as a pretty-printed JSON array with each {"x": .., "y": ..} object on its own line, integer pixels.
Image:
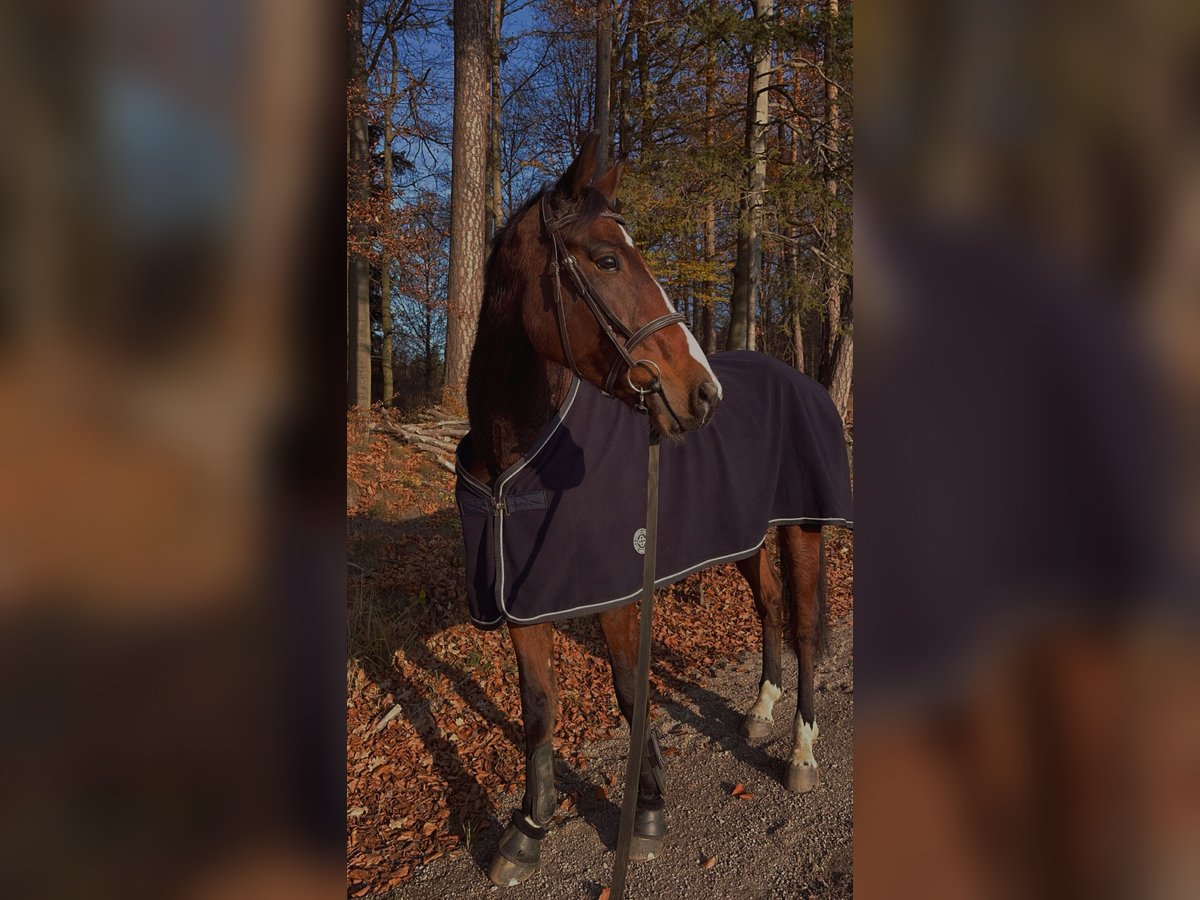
[{"x": 438, "y": 458}]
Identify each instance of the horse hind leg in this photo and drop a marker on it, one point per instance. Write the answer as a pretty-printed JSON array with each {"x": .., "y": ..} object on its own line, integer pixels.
[
  {"x": 802, "y": 551},
  {"x": 620, "y": 627},
  {"x": 519, "y": 851},
  {"x": 764, "y": 584}
]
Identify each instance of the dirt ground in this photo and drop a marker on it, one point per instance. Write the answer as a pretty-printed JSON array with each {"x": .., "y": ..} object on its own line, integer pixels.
[
  {"x": 434, "y": 748},
  {"x": 774, "y": 845}
]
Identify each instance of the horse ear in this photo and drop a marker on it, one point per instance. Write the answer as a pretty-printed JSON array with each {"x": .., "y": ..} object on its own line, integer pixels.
[
  {"x": 608, "y": 184},
  {"x": 580, "y": 172}
]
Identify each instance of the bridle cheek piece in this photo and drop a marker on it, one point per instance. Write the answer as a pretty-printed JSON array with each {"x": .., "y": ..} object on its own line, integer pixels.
[{"x": 621, "y": 336}]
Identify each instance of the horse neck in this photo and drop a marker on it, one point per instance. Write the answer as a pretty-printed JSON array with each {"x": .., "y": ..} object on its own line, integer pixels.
[{"x": 511, "y": 395}]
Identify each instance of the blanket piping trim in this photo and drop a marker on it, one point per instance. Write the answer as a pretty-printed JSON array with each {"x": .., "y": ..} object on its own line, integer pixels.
[{"x": 665, "y": 580}]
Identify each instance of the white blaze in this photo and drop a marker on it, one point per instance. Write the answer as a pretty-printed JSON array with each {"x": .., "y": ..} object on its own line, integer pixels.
[
  {"x": 767, "y": 695},
  {"x": 803, "y": 736},
  {"x": 693, "y": 345}
]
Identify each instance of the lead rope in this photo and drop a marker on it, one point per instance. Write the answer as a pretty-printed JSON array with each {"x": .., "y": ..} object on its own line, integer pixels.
[{"x": 641, "y": 697}]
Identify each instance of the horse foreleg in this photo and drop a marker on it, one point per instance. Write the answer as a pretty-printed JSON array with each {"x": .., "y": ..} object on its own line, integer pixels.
[
  {"x": 620, "y": 627},
  {"x": 801, "y": 549},
  {"x": 764, "y": 584},
  {"x": 519, "y": 851}
]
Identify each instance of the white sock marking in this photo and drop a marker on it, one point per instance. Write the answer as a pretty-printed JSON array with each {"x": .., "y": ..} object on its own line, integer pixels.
[
  {"x": 803, "y": 736},
  {"x": 767, "y": 695}
]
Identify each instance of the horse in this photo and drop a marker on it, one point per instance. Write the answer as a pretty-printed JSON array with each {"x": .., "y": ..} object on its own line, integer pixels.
[{"x": 575, "y": 338}]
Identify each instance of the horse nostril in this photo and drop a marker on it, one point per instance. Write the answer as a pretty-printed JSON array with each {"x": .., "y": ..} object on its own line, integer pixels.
[{"x": 704, "y": 400}]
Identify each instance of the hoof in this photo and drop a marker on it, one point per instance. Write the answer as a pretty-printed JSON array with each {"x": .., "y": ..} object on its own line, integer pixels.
[
  {"x": 644, "y": 849},
  {"x": 506, "y": 873},
  {"x": 755, "y": 728},
  {"x": 649, "y": 832},
  {"x": 518, "y": 854},
  {"x": 801, "y": 779}
]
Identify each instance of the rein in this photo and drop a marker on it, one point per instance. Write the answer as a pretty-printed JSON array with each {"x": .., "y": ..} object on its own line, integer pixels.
[
  {"x": 615, "y": 330},
  {"x": 610, "y": 323},
  {"x": 641, "y": 695}
]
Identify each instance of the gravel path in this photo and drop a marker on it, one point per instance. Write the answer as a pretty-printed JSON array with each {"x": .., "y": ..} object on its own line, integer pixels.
[{"x": 775, "y": 845}]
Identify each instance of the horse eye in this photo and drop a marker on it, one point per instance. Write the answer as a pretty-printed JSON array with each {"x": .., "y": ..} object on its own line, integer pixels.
[{"x": 607, "y": 262}]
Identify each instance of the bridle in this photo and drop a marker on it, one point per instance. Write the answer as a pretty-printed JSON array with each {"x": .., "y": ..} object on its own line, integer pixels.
[{"x": 619, "y": 334}]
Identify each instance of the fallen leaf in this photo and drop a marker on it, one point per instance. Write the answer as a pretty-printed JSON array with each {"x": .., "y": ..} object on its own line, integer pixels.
[
  {"x": 744, "y": 796},
  {"x": 605, "y": 894},
  {"x": 435, "y": 754},
  {"x": 709, "y": 863},
  {"x": 738, "y": 788}
]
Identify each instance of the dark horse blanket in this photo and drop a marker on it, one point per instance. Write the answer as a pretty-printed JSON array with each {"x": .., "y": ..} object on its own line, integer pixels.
[{"x": 561, "y": 532}]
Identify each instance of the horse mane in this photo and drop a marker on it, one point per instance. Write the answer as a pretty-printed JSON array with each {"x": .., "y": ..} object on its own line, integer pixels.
[
  {"x": 512, "y": 262},
  {"x": 505, "y": 268}
]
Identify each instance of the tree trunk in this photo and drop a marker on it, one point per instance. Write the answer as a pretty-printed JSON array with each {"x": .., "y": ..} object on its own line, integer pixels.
[
  {"x": 748, "y": 271},
  {"x": 358, "y": 273},
  {"x": 467, "y": 193},
  {"x": 791, "y": 258},
  {"x": 495, "y": 206},
  {"x": 622, "y": 94},
  {"x": 709, "y": 339},
  {"x": 839, "y": 345},
  {"x": 833, "y": 302},
  {"x": 604, "y": 29},
  {"x": 843, "y": 369},
  {"x": 428, "y": 337},
  {"x": 735, "y": 337},
  {"x": 645, "y": 88},
  {"x": 385, "y": 275}
]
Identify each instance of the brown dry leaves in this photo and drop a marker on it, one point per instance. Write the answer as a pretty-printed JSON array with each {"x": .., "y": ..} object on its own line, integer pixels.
[{"x": 429, "y": 782}]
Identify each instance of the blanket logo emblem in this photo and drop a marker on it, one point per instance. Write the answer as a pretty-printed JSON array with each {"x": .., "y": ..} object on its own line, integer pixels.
[{"x": 639, "y": 541}]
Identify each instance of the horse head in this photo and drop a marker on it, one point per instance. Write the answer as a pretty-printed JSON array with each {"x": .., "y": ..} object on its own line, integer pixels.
[{"x": 600, "y": 310}]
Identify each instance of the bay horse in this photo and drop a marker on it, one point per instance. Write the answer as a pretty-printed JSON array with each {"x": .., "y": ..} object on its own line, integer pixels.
[{"x": 574, "y": 328}]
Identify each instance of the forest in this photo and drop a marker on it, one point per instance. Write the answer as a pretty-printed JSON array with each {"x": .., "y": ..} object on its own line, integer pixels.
[{"x": 733, "y": 123}]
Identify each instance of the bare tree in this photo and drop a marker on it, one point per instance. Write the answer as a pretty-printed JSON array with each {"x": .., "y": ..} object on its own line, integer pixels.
[
  {"x": 708, "y": 338},
  {"x": 385, "y": 277},
  {"x": 358, "y": 271},
  {"x": 495, "y": 204},
  {"x": 467, "y": 192},
  {"x": 839, "y": 348},
  {"x": 604, "y": 29},
  {"x": 747, "y": 280}
]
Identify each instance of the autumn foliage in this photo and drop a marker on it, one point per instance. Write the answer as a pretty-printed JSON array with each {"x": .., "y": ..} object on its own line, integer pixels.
[{"x": 434, "y": 748}]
